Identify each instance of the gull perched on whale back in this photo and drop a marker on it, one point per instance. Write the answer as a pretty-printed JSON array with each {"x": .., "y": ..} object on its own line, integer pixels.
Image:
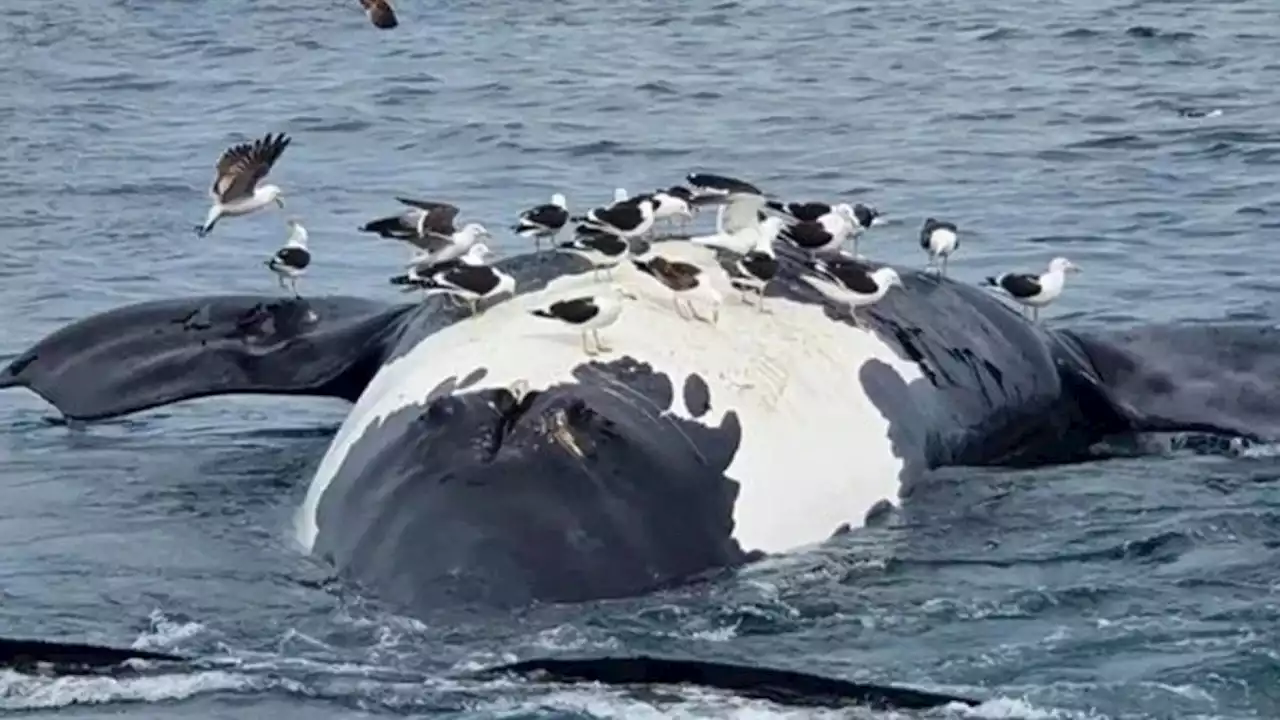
[
  {"x": 438, "y": 248},
  {"x": 240, "y": 168},
  {"x": 291, "y": 261},
  {"x": 852, "y": 283},
  {"x": 1035, "y": 291},
  {"x": 543, "y": 221},
  {"x": 737, "y": 223}
]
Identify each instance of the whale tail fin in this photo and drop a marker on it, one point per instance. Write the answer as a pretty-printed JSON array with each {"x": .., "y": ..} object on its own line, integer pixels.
[
  {"x": 150, "y": 354},
  {"x": 1155, "y": 375}
]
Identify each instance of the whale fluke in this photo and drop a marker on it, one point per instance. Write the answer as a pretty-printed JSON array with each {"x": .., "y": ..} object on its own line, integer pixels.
[
  {"x": 59, "y": 658},
  {"x": 785, "y": 687},
  {"x": 149, "y": 354}
]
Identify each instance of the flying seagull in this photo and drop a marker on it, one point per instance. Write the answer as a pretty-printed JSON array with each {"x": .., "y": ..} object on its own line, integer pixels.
[
  {"x": 380, "y": 13},
  {"x": 240, "y": 168}
]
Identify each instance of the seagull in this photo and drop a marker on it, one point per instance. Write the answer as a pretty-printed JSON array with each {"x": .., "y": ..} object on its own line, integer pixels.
[
  {"x": 423, "y": 225},
  {"x": 939, "y": 240},
  {"x": 672, "y": 204},
  {"x": 684, "y": 280},
  {"x": 1035, "y": 291},
  {"x": 854, "y": 285},
  {"x": 380, "y": 13},
  {"x": 239, "y": 170},
  {"x": 824, "y": 235},
  {"x": 472, "y": 280},
  {"x": 737, "y": 223},
  {"x": 588, "y": 313},
  {"x": 291, "y": 261},
  {"x": 437, "y": 249},
  {"x": 601, "y": 248},
  {"x": 627, "y": 219},
  {"x": 760, "y": 265},
  {"x": 544, "y": 220},
  {"x": 862, "y": 217},
  {"x": 712, "y": 184},
  {"x": 414, "y": 279},
  {"x": 857, "y": 217}
]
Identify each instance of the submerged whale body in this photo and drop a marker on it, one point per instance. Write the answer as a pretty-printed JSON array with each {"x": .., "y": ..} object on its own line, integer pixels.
[
  {"x": 785, "y": 687},
  {"x": 487, "y": 460}
]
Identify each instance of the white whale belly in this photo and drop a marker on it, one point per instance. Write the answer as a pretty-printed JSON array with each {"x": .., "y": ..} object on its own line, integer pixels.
[{"x": 815, "y": 451}]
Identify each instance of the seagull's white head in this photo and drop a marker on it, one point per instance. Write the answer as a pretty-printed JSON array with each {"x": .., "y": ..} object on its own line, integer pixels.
[
  {"x": 1061, "y": 265},
  {"x": 887, "y": 277},
  {"x": 472, "y": 233},
  {"x": 479, "y": 253},
  {"x": 297, "y": 234},
  {"x": 271, "y": 193},
  {"x": 559, "y": 200},
  {"x": 769, "y": 229}
]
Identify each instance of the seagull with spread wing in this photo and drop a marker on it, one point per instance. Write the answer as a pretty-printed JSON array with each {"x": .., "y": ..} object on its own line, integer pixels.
[
  {"x": 436, "y": 237},
  {"x": 240, "y": 168}
]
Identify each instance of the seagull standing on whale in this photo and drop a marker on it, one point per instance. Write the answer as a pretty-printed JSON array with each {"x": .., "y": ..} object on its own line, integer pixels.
[
  {"x": 471, "y": 279},
  {"x": 429, "y": 227},
  {"x": 291, "y": 261},
  {"x": 760, "y": 265},
  {"x": 543, "y": 221},
  {"x": 601, "y": 248},
  {"x": 939, "y": 239},
  {"x": 627, "y": 219},
  {"x": 684, "y": 280},
  {"x": 1035, "y": 291},
  {"x": 589, "y": 314},
  {"x": 240, "y": 168},
  {"x": 853, "y": 284}
]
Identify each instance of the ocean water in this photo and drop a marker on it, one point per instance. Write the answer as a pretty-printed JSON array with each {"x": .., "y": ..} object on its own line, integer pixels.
[{"x": 1141, "y": 139}]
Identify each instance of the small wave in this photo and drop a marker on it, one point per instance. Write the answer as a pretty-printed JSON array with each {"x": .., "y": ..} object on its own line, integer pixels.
[{"x": 26, "y": 692}]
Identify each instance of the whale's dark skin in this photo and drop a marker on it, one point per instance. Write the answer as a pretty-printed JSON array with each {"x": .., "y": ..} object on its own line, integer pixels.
[
  {"x": 475, "y": 495},
  {"x": 785, "y": 687}
]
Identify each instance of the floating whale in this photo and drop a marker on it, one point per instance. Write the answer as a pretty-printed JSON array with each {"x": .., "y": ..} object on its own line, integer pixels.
[{"x": 487, "y": 459}]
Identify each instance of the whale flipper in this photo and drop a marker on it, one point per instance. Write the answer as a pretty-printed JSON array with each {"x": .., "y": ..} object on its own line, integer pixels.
[
  {"x": 785, "y": 687},
  {"x": 149, "y": 354},
  {"x": 59, "y": 658}
]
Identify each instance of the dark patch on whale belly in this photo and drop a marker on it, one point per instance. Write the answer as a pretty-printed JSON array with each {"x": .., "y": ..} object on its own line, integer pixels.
[
  {"x": 697, "y": 396},
  {"x": 584, "y": 490}
]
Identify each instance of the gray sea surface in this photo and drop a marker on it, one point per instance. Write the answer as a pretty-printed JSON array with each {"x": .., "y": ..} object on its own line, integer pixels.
[{"x": 1141, "y": 139}]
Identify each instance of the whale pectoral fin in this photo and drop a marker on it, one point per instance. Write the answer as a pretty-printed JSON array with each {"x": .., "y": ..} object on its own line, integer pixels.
[
  {"x": 151, "y": 354},
  {"x": 62, "y": 658},
  {"x": 785, "y": 687}
]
